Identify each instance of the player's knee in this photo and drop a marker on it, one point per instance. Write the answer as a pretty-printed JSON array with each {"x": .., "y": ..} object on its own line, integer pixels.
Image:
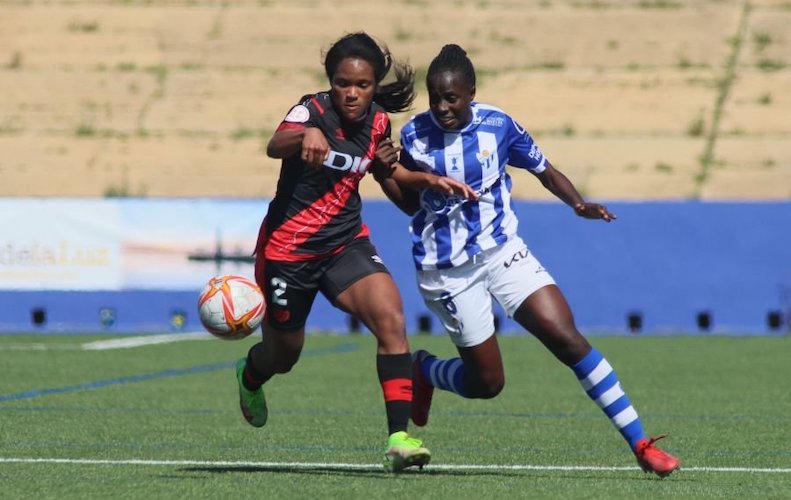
[
  {"x": 571, "y": 348},
  {"x": 493, "y": 388},
  {"x": 489, "y": 387},
  {"x": 284, "y": 358},
  {"x": 389, "y": 320},
  {"x": 284, "y": 365}
]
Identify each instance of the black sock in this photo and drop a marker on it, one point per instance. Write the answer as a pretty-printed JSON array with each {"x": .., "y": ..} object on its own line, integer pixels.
[
  {"x": 252, "y": 379},
  {"x": 395, "y": 376}
]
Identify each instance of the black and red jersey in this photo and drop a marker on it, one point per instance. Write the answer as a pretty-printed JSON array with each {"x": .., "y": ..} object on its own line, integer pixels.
[{"x": 317, "y": 211}]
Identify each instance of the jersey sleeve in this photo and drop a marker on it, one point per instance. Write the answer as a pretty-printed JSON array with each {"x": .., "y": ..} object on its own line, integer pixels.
[
  {"x": 523, "y": 152},
  {"x": 302, "y": 115},
  {"x": 406, "y": 158},
  {"x": 381, "y": 127}
]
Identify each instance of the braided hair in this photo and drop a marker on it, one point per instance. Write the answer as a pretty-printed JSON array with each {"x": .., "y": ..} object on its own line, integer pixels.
[
  {"x": 394, "y": 97},
  {"x": 452, "y": 58}
]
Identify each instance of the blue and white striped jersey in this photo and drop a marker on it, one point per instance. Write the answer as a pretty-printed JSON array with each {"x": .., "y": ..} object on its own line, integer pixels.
[{"x": 448, "y": 230}]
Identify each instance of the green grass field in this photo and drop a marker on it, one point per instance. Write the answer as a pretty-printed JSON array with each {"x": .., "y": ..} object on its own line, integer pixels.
[{"x": 162, "y": 421}]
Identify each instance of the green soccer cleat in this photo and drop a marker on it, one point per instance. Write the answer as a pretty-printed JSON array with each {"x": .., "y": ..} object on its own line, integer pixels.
[
  {"x": 404, "y": 451},
  {"x": 252, "y": 403}
]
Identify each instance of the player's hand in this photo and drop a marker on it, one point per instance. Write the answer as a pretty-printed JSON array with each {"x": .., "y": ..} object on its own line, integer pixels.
[
  {"x": 594, "y": 211},
  {"x": 315, "y": 148},
  {"x": 383, "y": 164},
  {"x": 387, "y": 152},
  {"x": 453, "y": 187}
]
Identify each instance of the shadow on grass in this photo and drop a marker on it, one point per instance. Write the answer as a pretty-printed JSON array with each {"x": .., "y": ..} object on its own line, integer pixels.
[
  {"x": 357, "y": 472},
  {"x": 364, "y": 471}
]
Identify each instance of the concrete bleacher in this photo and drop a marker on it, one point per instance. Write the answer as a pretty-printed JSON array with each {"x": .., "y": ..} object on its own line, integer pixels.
[{"x": 634, "y": 100}]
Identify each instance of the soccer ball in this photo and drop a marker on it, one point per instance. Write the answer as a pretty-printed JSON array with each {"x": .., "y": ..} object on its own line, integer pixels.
[{"x": 231, "y": 307}]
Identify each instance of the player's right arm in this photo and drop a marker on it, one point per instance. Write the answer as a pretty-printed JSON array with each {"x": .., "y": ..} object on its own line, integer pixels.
[
  {"x": 309, "y": 142},
  {"x": 299, "y": 134}
]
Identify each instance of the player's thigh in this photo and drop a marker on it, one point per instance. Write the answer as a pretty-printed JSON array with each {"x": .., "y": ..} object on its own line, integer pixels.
[
  {"x": 356, "y": 261},
  {"x": 374, "y": 299},
  {"x": 358, "y": 282},
  {"x": 459, "y": 298},
  {"x": 547, "y": 315}
]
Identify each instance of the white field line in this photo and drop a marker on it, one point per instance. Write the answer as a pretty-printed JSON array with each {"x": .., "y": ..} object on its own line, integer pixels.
[
  {"x": 101, "y": 345},
  {"x": 37, "y": 347},
  {"x": 127, "y": 342},
  {"x": 372, "y": 467}
]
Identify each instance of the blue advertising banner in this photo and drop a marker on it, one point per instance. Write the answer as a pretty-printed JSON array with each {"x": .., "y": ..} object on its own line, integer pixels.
[{"x": 137, "y": 265}]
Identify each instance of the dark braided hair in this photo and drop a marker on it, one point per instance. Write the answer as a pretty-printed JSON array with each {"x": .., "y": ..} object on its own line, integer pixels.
[
  {"x": 395, "y": 96},
  {"x": 452, "y": 58}
]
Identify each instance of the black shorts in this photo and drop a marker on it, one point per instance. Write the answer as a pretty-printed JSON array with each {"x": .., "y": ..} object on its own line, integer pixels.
[{"x": 291, "y": 287}]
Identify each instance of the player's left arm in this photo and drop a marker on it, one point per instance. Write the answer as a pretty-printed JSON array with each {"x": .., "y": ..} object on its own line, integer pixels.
[
  {"x": 560, "y": 185},
  {"x": 425, "y": 180},
  {"x": 525, "y": 153},
  {"x": 397, "y": 181}
]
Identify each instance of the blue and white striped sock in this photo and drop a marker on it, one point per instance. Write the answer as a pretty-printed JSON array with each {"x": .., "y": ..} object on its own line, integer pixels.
[
  {"x": 600, "y": 382},
  {"x": 445, "y": 374}
]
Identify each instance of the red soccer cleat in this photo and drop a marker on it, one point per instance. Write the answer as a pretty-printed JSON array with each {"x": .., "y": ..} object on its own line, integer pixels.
[
  {"x": 422, "y": 390},
  {"x": 652, "y": 459}
]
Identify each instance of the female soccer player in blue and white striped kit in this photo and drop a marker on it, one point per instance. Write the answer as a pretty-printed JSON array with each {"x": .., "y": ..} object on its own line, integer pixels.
[{"x": 467, "y": 251}]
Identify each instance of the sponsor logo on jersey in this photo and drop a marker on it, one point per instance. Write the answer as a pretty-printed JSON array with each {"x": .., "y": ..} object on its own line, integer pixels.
[
  {"x": 535, "y": 153},
  {"x": 346, "y": 162},
  {"x": 494, "y": 121},
  {"x": 434, "y": 201},
  {"x": 521, "y": 254}
]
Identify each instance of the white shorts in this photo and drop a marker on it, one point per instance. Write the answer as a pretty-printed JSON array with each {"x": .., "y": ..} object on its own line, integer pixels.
[{"x": 462, "y": 296}]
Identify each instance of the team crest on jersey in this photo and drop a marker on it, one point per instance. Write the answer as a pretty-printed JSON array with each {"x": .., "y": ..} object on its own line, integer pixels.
[
  {"x": 298, "y": 114},
  {"x": 280, "y": 315},
  {"x": 486, "y": 158}
]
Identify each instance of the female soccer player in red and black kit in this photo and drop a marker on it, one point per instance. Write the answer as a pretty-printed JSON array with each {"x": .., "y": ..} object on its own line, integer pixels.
[{"x": 313, "y": 238}]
